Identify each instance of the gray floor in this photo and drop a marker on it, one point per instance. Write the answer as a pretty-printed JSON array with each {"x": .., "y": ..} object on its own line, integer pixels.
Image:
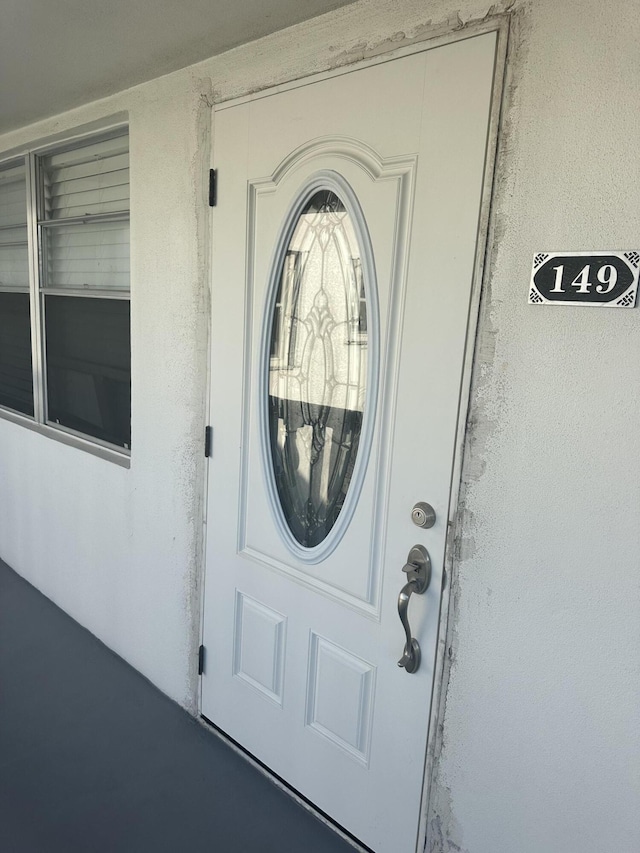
[{"x": 93, "y": 758}]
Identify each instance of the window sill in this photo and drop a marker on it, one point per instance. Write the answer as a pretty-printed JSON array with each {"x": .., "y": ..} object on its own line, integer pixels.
[{"x": 103, "y": 451}]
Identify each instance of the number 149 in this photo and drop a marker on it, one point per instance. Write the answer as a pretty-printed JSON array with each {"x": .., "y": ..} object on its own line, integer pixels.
[{"x": 607, "y": 276}]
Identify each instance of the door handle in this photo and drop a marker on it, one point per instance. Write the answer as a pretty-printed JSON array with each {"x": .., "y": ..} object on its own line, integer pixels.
[{"x": 418, "y": 569}]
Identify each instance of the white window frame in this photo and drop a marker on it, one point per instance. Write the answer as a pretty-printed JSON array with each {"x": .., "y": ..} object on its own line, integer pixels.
[{"x": 36, "y": 224}]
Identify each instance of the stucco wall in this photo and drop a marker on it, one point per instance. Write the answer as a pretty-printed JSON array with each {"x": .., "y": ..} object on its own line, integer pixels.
[
  {"x": 541, "y": 748},
  {"x": 539, "y": 751},
  {"x": 120, "y": 549}
]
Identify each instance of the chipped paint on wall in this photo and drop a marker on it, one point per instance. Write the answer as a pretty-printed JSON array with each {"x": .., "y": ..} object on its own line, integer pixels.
[{"x": 443, "y": 826}]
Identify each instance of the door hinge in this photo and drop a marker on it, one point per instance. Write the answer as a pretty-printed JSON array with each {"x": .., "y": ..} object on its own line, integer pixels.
[
  {"x": 200, "y": 660},
  {"x": 208, "y": 440},
  {"x": 213, "y": 187}
]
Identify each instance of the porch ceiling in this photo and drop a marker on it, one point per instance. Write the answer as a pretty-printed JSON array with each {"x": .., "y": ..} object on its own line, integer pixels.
[{"x": 57, "y": 55}]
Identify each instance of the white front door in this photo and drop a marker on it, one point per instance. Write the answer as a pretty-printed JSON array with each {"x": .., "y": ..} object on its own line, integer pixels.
[{"x": 344, "y": 247}]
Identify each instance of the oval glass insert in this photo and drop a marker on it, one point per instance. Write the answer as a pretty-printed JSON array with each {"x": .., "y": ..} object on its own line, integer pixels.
[{"x": 317, "y": 367}]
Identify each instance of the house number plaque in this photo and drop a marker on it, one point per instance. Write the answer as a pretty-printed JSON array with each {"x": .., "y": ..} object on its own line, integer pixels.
[{"x": 585, "y": 278}]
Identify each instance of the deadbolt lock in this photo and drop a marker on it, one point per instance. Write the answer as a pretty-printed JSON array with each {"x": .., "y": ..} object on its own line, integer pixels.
[{"x": 423, "y": 515}]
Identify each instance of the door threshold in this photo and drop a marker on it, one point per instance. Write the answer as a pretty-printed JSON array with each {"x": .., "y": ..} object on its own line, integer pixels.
[{"x": 284, "y": 786}]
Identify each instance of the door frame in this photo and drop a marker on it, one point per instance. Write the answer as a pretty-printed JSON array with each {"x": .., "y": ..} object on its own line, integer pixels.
[{"x": 501, "y": 24}]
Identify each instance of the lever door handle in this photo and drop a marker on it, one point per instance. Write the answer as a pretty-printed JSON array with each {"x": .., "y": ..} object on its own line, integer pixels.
[{"x": 418, "y": 569}]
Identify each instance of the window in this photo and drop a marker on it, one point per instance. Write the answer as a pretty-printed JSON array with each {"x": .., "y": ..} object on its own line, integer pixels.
[{"x": 65, "y": 358}]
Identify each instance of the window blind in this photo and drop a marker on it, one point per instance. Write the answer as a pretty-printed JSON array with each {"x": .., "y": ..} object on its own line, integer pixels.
[
  {"x": 84, "y": 214},
  {"x": 87, "y": 181},
  {"x": 14, "y": 263},
  {"x": 13, "y": 196},
  {"x": 88, "y": 255}
]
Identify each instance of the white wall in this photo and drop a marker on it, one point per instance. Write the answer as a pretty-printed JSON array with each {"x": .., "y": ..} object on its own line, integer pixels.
[
  {"x": 540, "y": 747},
  {"x": 120, "y": 549}
]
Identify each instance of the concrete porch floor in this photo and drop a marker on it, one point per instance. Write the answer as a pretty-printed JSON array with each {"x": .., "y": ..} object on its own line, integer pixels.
[{"x": 93, "y": 758}]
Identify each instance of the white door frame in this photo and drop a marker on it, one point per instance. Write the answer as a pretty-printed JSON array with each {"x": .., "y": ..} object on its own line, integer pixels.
[{"x": 499, "y": 24}]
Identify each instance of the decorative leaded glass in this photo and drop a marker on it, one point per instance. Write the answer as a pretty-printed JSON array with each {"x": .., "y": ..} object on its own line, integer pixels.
[{"x": 318, "y": 368}]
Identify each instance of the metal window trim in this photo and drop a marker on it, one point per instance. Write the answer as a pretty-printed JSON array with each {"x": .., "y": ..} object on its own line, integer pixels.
[
  {"x": 34, "y": 282},
  {"x": 85, "y": 437},
  {"x": 87, "y": 293},
  {"x": 10, "y": 227},
  {"x": 11, "y": 161},
  {"x": 109, "y": 452},
  {"x": 14, "y": 288},
  {"x": 4, "y": 409},
  {"x": 114, "y": 216},
  {"x": 118, "y": 123},
  {"x": 69, "y": 142}
]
